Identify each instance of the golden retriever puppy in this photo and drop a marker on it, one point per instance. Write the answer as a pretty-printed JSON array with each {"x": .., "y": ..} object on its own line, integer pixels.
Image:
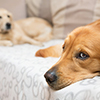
[
  {"x": 80, "y": 58},
  {"x": 29, "y": 30}
]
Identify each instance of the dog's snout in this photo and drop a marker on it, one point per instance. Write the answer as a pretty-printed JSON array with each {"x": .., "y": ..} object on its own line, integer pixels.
[
  {"x": 50, "y": 76},
  {"x": 8, "y": 26}
]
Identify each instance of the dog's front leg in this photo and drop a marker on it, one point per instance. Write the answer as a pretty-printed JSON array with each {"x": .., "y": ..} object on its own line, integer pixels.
[
  {"x": 6, "y": 43},
  {"x": 26, "y": 39}
]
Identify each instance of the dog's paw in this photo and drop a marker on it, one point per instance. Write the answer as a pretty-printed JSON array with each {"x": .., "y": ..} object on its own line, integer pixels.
[
  {"x": 8, "y": 43},
  {"x": 40, "y": 53}
]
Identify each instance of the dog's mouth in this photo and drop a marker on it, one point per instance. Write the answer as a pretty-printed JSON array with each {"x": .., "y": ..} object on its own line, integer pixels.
[
  {"x": 7, "y": 27},
  {"x": 55, "y": 81},
  {"x": 59, "y": 84},
  {"x": 4, "y": 31}
]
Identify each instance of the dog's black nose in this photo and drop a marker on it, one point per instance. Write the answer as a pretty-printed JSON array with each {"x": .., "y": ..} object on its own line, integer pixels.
[
  {"x": 50, "y": 76},
  {"x": 8, "y": 26}
]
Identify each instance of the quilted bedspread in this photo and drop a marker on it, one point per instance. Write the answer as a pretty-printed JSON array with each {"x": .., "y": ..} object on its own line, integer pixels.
[{"x": 22, "y": 77}]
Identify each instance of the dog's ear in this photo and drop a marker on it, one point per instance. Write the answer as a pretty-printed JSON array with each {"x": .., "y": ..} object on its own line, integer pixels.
[
  {"x": 53, "y": 51},
  {"x": 95, "y": 25}
]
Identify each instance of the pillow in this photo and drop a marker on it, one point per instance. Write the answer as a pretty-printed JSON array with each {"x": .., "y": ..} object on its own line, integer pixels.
[
  {"x": 65, "y": 15},
  {"x": 16, "y": 7},
  {"x": 39, "y": 8}
]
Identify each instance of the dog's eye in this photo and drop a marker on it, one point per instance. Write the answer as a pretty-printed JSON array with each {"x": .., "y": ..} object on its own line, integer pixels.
[
  {"x": 8, "y": 16},
  {"x": 82, "y": 56},
  {"x": 63, "y": 47},
  {"x": 0, "y": 16}
]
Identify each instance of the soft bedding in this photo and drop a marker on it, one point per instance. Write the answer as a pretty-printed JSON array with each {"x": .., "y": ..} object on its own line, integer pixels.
[{"x": 21, "y": 77}]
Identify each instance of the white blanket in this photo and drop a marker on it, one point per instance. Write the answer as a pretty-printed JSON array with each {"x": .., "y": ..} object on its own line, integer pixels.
[{"x": 22, "y": 77}]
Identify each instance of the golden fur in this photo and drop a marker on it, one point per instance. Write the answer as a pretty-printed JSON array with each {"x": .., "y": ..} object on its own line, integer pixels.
[
  {"x": 80, "y": 58},
  {"x": 29, "y": 30}
]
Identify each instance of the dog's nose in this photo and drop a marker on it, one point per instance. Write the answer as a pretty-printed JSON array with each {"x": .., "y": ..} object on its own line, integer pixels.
[
  {"x": 50, "y": 76},
  {"x": 8, "y": 26}
]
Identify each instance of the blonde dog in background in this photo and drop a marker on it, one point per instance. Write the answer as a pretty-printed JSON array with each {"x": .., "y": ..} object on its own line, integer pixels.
[{"x": 30, "y": 30}]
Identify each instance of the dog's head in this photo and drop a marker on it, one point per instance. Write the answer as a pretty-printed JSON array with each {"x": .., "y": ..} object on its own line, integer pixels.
[
  {"x": 5, "y": 21},
  {"x": 80, "y": 58}
]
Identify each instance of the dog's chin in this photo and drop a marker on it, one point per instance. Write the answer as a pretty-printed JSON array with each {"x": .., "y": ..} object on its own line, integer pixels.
[
  {"x": 57, "y": 86},
  {"x": 5, "y": 31}
]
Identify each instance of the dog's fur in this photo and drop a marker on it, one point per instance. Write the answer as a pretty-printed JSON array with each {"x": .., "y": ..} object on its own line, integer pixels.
[
  {"x": 29, "y": 30},
  {"x": 80, "y": 58}
]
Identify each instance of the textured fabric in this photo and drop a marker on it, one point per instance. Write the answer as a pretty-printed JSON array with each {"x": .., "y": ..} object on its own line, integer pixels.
[
  {"x": 97, "y": 11},
  {"x": 69, "y": 14},
  {"x": 65, "y": 15},
  {"x": 33, "y": 7},
  {"x": 22, "y": 77},
  {"x": 45, "y": 11},
  {"x": 16, "y": 7},
  {"x": 39, "y": 8}
]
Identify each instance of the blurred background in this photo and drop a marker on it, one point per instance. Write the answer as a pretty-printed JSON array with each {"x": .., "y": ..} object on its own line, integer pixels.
[{"x": 64, "y": 15}]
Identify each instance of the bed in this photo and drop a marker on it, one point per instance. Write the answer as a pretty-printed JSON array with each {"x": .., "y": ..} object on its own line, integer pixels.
[
  {"x": 22, "y": 77},
  {"x": 22, "y": 74}
]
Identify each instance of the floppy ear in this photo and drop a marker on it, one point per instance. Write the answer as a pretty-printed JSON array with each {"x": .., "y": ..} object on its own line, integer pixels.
[
  {"x": 95, "y": 24},
  {"x": 53, "y": 51}
]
